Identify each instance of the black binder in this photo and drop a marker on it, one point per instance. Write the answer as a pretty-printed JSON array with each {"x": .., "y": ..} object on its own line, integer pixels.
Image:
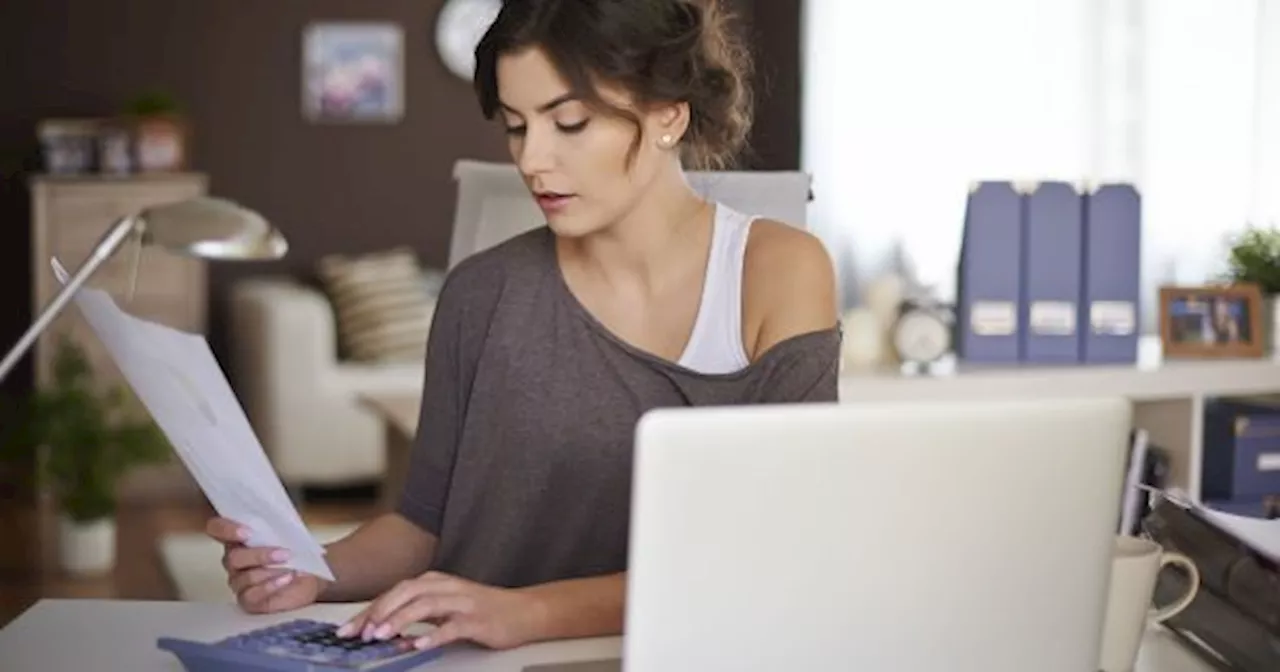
[{"x": 1236, "y": 612}]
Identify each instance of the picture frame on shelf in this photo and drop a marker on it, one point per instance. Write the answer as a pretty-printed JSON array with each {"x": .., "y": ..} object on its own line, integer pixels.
[
  {"x": 353, "y": 72},
  {"x": 1212, "y": 322}
]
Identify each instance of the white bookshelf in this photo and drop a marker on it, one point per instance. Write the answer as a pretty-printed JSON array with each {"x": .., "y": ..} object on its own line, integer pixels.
[{"x": 1168, "y": 396}]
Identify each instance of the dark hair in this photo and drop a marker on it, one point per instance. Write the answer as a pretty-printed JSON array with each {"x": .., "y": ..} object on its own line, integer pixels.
[{"x": 658, "y": 50}]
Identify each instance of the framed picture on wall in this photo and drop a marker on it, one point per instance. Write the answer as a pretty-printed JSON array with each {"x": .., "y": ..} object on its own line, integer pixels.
[
  {"x": 1211, "y": 322},
  {"x": 353, "y": 72}
]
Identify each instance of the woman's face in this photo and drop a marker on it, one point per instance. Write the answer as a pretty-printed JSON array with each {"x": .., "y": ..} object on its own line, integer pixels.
[{"x": 573, "y": 159}]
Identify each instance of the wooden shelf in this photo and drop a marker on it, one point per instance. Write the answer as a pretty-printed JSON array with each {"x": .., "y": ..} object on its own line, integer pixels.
[
  {"x": 1151, "y": 379},
  {"x": 1168, "y": 396},
  {"x": 117, "y": 178}
]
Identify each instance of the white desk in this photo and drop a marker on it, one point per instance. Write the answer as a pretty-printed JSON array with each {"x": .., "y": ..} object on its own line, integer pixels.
[{"x": 110, "y": 635}]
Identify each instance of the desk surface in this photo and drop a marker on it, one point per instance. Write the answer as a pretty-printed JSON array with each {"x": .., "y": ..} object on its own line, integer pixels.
[{"x": 70, "y": 635}]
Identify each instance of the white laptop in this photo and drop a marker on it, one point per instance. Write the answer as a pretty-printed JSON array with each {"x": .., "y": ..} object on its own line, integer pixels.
[{"x": 890, "y": 537}]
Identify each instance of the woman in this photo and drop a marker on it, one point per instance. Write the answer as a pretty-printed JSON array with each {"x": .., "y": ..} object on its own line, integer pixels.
[
  {"x": 546, "y": 350},
  {"x": 1224, "y": 327}
]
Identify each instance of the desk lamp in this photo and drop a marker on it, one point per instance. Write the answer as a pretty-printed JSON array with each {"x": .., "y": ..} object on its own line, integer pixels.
[{"x": 202, "y": 227}]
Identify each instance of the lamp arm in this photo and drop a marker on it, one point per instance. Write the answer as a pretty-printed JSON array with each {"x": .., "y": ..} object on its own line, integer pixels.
[{"x": 107, "y": 246}]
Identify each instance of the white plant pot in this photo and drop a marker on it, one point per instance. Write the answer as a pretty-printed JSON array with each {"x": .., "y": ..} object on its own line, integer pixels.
[{"x": 87, "y": 548}]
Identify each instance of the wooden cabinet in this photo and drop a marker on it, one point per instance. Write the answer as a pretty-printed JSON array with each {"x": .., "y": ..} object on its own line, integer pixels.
[{"x": 69, "y": 216}]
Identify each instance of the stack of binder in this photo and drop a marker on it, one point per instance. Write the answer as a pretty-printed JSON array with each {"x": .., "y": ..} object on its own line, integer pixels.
[
  {"x": 1235, "y": 615},
  {"x": 1049, "y": 273}
]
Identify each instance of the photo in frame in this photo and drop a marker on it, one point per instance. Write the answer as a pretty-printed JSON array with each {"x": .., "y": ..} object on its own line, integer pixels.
[
  {"x": 353, "y": 72},
  {"x": 1211, "y": 321}
]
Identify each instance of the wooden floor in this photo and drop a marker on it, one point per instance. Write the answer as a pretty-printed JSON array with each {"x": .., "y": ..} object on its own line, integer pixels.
[{"x": 28, "y": 549}]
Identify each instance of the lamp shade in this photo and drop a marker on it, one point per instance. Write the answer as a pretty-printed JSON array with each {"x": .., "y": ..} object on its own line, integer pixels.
[{"x": 211, "y": 228}]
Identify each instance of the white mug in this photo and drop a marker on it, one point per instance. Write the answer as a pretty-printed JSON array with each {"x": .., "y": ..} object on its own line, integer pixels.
[{"x": 1135, "y": 565}]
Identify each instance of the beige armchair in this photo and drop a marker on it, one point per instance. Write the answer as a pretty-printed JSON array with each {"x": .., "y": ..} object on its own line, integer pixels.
[{"x": 300, "y": 396}]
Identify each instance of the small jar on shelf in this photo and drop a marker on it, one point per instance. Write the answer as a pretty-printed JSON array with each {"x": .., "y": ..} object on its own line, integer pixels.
[{"x": 68, "y": 145}]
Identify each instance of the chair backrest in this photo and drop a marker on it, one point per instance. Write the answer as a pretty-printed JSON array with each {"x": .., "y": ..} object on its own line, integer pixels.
[{"x": 494, "y": 204}]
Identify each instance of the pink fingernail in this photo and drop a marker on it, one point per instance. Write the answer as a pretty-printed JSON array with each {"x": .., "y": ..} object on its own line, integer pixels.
[
  {"x": 283, "y": 580},
  {"x": 279, "y": 555},
  {"x": 383, "y": 631}
]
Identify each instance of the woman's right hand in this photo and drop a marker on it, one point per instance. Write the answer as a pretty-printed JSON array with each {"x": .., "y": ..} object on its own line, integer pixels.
[{"x": 259, "y": 587}]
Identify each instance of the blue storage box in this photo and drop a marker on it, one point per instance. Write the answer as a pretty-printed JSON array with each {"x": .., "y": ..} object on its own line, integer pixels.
[
  {"x": 1267, "y": 508},
  {"x": 1241, "y": 451}
]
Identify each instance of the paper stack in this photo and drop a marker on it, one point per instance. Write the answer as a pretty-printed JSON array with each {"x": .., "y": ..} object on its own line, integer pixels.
[
  {"x": 1260, "y": 535},
  {"x": 1263, "y": 536}
]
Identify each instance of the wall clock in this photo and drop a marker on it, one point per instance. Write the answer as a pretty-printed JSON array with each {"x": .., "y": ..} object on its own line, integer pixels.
[{"x": 459, "y": 27}]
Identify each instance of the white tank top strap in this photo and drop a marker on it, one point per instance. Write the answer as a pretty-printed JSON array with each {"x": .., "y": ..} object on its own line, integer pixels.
[{"x": 715, "y": 345}]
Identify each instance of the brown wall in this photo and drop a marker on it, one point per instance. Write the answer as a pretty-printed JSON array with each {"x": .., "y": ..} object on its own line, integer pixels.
[{"x": 235, "y": 67}]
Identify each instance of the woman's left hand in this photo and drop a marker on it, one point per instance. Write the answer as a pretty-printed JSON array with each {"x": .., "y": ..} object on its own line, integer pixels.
[{"x": 498, "y": 618}]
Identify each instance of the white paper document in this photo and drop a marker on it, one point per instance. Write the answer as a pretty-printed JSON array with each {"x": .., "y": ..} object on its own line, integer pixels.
[{"x": 177, "y": 378}]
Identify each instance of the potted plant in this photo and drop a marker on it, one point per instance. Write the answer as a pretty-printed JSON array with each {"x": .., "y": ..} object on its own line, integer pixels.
[
  {"x": 1255, "y": 258},
  {"x": 160, "y": 133},
  {"x": 85, "y": 441}
]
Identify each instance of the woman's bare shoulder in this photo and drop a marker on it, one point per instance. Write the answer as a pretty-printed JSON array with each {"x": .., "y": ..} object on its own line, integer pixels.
[{"x": 789, "y": 285}]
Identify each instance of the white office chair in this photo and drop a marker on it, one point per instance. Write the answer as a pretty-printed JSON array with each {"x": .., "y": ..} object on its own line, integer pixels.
[{"x": 494, "y": 204}]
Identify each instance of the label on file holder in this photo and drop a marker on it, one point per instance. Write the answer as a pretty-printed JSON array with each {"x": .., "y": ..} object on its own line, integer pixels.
[
  {"x": 1112, "y": 318},
  {"x": 1269, "y": 462},
  {"x": 1053, "y": 318},
  {"x": 994, "y": 318}
]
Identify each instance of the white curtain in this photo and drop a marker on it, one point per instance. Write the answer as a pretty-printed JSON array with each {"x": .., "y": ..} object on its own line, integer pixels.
[
  {"x": 908, "y": 102},
  {"x": 1265, "y": 194}
]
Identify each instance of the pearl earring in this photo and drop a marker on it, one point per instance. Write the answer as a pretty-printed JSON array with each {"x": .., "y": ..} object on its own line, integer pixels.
[{"x": 666, "y": 140}]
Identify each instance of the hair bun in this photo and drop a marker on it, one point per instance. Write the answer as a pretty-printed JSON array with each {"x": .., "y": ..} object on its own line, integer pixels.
[
  {"x": 689, "y": 14},
  {"x": 659, "y": 50},
  {"x": 724, "y": 100}
]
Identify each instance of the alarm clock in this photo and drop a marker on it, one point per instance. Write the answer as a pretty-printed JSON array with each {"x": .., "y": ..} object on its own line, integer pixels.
[
  {"x": 459, "y": 27},
  {"x": 922, "y": 334}
]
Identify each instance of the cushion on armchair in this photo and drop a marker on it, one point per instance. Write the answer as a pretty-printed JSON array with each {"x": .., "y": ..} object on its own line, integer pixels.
[{"x": 381, "y": 302}]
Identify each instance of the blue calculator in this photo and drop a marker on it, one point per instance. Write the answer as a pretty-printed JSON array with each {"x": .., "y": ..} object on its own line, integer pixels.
[{"x": 295, "y": 646}]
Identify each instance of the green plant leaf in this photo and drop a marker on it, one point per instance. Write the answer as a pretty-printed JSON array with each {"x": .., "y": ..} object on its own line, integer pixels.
[
  {"x": 153, "y": 103},
  {"x": 1254, "y": 257},
  {"x": 90, "y": 440}
]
